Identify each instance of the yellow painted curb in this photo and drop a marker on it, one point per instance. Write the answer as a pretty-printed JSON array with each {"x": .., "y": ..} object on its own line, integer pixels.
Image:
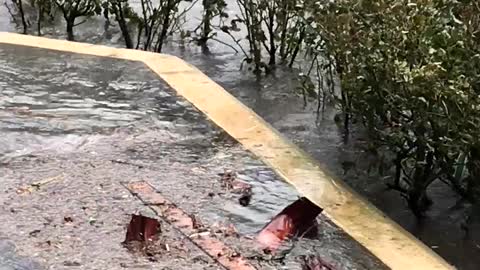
[{"x": 394, "y": 246}]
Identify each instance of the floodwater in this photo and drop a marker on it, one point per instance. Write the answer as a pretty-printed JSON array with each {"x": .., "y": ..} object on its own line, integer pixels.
[
  {"x": 101, "y": 122},
  {"x": 274, "y": 98}
]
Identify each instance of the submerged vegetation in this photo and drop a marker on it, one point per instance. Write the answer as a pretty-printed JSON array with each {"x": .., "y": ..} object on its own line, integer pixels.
[{"x": 408, "y": 70}]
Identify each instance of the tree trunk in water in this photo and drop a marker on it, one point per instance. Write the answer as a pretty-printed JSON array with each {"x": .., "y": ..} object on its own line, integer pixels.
[
  {"x": 473, "y": 166},
  {"x": 284, "y": 23},
  {"x": 253, "y": 34},
  {"x": 418, "y": 200},
  {"x": 207, "y": 6},
  {"x": 126, "y": 35},
  {"x": 297, "y": 47},
  {"x": 165, "y": 26},
  {"x": 39, "y": 21},
  {"x": 271, "y": 30},
  {"x": 345, "y": 103},
  {"x": 70, "y": 25},
  {"x": 22, "y": 14},
  {"x": 124, "y": 27},
  {"x": 139, "y": 36}
]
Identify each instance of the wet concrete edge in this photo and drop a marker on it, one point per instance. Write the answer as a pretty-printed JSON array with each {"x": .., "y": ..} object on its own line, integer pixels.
[{"x": 393, "y": 245}]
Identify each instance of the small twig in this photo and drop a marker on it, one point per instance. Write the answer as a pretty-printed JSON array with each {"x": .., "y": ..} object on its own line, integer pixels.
[
  {"x": 199, "y": 234},
  {"x": 237, "y": 42},
  {"x": 82, "y": 22},
  {"x": 40, "y": 183},
  {"x": 37, "y": 184},
  {"x": 118, "y": 161},
  {"x": 175, "y": 24}
]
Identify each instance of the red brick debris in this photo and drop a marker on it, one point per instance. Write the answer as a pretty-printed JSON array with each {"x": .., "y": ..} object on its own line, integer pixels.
[
  {"x": 143, "y": 229},
  {"x": 297, "y": 219},
  {"x": 189, "y": 226}
]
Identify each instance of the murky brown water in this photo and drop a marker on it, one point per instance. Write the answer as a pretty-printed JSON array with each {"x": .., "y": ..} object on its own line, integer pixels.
[{"x": 271, "y": 98}]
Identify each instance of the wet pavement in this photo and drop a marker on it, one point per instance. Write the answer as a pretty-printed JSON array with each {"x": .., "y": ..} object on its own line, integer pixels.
[{"x": 79, "y": 126}]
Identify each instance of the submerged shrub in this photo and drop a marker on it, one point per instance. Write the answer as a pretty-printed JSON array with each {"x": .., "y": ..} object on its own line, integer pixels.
[{"x": 411, "y": 71}]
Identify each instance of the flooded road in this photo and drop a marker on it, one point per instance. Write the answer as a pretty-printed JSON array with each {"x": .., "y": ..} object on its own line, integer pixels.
[
  {"x": 59, "y": 112},
  {"x": 100, "y": 122}
]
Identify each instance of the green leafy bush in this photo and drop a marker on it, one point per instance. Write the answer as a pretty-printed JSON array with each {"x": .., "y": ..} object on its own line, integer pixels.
[{"x": 410, "y": 70}]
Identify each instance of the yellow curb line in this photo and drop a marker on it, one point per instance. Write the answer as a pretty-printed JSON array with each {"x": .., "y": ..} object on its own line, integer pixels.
[{"x": 394, "y": 246}]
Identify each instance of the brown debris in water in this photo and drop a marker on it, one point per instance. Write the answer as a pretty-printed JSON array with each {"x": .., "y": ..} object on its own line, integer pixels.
[
  {"x": 35, "y": 186},
  {"x": 196, "y": 223},
  {"x": 245, "y": 198},
  {"x": 230, "y": 182},
  {"x": 142, "y": 235},
  {"x": 313, "y": 262},
  {"x": 227, "y": 179},
  {"x": 142, "y": 229},
  {"x": 226, "y": 230},
  {"x": 34, "y": 233},
  {"x": 68, "y": 219}
]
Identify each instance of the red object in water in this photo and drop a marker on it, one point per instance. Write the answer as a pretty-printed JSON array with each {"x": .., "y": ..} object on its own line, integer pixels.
[
  {"x": 142, "y": 229},
  {"x": 212, "y": 245},
  {"x": 299, "y": 218}
]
